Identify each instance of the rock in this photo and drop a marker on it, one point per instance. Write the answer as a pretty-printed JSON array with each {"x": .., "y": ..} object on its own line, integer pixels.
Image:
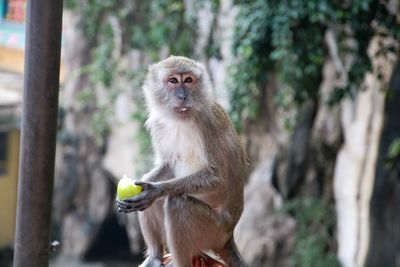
[{"x": 264, "y": 237}]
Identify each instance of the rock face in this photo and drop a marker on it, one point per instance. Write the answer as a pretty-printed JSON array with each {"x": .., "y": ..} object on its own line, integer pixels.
[
  {"x": 123, "y": 157},
  {"x": 264, "y": 237},
  {"x": 354, "y": 173},
  {"x": 122, "y": 143}
]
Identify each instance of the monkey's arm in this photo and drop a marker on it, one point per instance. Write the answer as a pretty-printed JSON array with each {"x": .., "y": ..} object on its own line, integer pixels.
[
  {"x": 201, "y": 181},
  {"x": 156, "y": 173}
]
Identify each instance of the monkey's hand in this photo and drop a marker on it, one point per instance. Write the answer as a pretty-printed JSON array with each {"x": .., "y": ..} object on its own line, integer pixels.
[{"x": 151, "y": 191}]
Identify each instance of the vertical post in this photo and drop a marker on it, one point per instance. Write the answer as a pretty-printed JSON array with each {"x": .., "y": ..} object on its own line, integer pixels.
[{"x": 38, "y": 132}]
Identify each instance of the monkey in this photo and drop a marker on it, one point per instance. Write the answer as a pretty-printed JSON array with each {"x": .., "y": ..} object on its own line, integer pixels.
[{"x": 193, "y": 198}]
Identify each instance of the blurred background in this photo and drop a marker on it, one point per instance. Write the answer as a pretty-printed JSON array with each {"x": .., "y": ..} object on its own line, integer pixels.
[{"x": 313, "y": 87}]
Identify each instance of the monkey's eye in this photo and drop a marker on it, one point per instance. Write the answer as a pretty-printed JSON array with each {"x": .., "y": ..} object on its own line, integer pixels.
[
  {"x": 188, "y": 80},
  {"x": 173, "y": 80}
]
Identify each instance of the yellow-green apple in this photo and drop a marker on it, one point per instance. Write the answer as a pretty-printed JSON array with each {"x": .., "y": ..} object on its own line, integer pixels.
[{"x": 127, "y": 188}]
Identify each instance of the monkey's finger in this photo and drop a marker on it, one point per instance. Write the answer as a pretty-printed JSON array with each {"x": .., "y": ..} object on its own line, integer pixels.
[
  {"x": 119, "y": 201},
  {"x": 135, "y": 198},
  {"x": 131, "y": 206},
  {"x": 145, "y": 185},
  {"x": 123, "y": 204},
  {"x": 123, "y": 210},
  {"x": 140, "y": 206},
  {"x": 127, "y": 210}
]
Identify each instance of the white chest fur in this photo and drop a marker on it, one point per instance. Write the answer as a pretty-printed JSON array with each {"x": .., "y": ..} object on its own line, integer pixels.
[{"x": 181, "y": 145}]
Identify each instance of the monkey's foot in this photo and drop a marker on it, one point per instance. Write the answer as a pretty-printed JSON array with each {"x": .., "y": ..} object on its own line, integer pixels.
[{"x": 151, "y": 262}]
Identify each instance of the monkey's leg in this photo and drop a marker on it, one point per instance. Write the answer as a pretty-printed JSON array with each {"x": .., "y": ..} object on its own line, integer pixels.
[
  {"x": 191, "y": 227},
  {"x": 231, "y": 255},
  {"x": 152, "y": 224}
]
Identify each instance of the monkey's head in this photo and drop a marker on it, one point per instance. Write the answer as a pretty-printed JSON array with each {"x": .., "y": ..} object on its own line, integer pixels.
[{"x": 177, "y": 86}]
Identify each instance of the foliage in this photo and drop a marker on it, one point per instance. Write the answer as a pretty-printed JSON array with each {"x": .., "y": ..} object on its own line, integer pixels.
[
  {"x": 394, "y": 149},
  {"x": 393, "y": 155},
  {"x": 313, "y": 241},
  {"x": 170, "y": 26},
  {"x": 287, "y": 38}
]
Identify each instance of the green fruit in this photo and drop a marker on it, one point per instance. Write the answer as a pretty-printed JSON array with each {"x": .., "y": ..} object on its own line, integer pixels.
[{"x": 126, "y": 188}]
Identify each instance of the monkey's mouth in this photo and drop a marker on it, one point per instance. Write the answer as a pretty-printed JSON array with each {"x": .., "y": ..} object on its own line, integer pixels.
[{"x": 183, "y": 111}]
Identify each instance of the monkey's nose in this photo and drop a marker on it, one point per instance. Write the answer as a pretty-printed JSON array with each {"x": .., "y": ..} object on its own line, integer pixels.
[
  {"x": 182, "y": 96},
  {"x": 181, "y": 93}
]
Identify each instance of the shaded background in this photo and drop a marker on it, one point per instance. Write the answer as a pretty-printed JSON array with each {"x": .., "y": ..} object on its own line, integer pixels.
[{"x": 313, "y": 87}]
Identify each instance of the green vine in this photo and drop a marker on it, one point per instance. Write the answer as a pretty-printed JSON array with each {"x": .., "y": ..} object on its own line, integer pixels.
[
  {"x": 315, "y": 230},
  {"x": 287, "y": 38},
  {"x": 392, "y": 161}
]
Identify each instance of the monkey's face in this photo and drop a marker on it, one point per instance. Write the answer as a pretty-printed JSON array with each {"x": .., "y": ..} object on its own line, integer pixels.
[
  {"x": 177, "y": 86},
  {"x": 181, "y": 90}
]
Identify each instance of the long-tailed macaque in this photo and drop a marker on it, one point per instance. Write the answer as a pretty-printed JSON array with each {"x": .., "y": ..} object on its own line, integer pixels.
[{"x": 193, "y": 198}]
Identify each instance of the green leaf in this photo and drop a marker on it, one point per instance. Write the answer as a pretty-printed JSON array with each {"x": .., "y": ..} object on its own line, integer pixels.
[{"x": 394, "y": 149}]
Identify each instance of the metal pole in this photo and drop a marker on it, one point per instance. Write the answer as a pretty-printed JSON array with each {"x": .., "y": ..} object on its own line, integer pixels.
[{"x": 38, "y": 137}]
